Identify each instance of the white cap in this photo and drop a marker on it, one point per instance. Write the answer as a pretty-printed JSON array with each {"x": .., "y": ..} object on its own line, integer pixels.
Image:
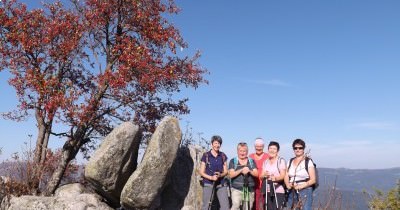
[{"x": 259, "y": 141}]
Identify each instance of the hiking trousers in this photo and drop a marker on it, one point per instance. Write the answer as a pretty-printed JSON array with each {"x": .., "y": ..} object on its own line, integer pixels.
[
  {"x": 302, "y": 200},
  {"x": 237, "y": 199},
  {"x": 220, "y": 191}
]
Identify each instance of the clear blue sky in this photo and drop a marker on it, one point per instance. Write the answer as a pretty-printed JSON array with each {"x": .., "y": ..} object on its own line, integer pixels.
[{"x": 324, "y": 71}]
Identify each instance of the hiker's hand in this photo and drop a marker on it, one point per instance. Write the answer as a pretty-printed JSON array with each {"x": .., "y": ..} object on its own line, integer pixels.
[
  {"x": 245, "y": 170},
  {"x": 266, "y": 174},
  {"x": 272, "y": 177},
  {"x": 214, "y": 177},
  {"x": 301, "y": 186},
  {"x": 218, "y": 174},
  {"x": 298, "y": 186}
]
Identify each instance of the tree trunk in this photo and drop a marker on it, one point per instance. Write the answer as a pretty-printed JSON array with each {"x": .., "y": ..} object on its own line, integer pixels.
[
  {"x": 44, "y": 145},
  {"x": 69, "y": 151},
  {"x": 72, "y": 146},
  {"x": 44, "y": 130},
  {"x": 40, "y": 138},
  {"x": 39, "y": 157}
]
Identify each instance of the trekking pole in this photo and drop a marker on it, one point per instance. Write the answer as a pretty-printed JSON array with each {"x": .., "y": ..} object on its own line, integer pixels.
[
  {"x": 276, "y": 199},
  {"x": 271, "y": 193},
  {"x": 228, "y": 182},
  {"x": 293, "y": 191},
  {"x": 299, "y": 202},
  {"x": 215, "y": 183},
  {"x": 266, "y": 193},
  {"x": 212, "y": 195},
  {"x": 245, "y": 198},
  {"x": 295, "y": 205},
  {"x": 248, "y": 199}
]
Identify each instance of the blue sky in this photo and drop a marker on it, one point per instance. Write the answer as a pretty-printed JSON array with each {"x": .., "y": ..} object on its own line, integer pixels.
[{"x": 323, "y": 71}]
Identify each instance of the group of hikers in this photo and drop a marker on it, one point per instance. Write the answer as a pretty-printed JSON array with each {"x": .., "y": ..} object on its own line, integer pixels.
[{"x": 259, "y": 181}]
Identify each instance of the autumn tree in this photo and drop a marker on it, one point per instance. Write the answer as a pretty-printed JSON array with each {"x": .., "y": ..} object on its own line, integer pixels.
[
  {"x": 91, "y": 65},
  {"x": 42, "y": 51}
]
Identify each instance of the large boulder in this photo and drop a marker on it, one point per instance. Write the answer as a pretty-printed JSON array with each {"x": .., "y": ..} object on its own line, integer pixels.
[
  {"x": 184, "y": 190},
  {"x": 68, "y": 197},
  {"x": 114, "y": 161},
  {"x": 148, "y": 180}
]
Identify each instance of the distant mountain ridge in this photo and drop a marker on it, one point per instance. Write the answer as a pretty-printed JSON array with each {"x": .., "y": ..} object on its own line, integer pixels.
[
  {"x": 359, "y": 179},
  {"x": 353, "y": 187}
]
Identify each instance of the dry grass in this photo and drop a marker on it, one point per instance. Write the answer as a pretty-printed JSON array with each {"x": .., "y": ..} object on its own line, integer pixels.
[{"x": 22, "y": 176}]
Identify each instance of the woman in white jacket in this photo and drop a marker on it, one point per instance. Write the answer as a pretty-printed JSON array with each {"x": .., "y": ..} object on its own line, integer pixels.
[{"x": 299, "y": 180}]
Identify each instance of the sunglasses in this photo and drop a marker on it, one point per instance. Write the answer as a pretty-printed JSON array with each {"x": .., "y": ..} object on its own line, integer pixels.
[{"x": 298, "y": 148}]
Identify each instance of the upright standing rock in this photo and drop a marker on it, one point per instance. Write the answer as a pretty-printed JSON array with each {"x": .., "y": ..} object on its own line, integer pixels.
[
  {"x": 194, "y": 198},
  {"x": 113, "y": 163},
  {"x": 148, "y": 180},
  {"x": 184, "y": 190}
]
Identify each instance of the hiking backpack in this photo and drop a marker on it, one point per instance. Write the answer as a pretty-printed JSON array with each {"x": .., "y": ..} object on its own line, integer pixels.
[
  {"x": 316, "y": 184},
  {"x": 278, "y": 162},
  {"x": 263, "y": 187},
  {"x": 208, "y": 164},
  {"x": 222, "y": 155},
  {"x": 235, "y": 162}
]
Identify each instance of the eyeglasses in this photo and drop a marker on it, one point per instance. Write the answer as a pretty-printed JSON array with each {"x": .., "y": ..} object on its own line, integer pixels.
[{"x": 298, "y": 148}]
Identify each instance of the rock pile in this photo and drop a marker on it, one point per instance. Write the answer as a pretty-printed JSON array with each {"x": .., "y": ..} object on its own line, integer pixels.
[{"x": 165, "y": 179}]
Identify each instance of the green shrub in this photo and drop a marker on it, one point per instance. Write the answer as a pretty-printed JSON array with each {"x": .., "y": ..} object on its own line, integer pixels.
[{"x": 386, "y": 201}]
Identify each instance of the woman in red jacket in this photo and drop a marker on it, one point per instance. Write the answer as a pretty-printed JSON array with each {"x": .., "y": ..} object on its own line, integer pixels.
[{"x": 259, "y": 157}]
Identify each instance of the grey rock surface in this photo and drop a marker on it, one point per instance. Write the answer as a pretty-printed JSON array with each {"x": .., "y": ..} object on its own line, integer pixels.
[
  {"x": 69, "y": 197},
  {"x": 148, "y": 180},
  {"x": 114, "y": 161}
]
